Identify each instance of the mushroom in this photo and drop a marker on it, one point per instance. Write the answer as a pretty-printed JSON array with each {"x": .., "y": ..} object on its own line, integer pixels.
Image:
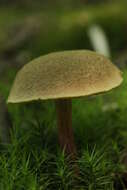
[{"x": 61, "y": 76}]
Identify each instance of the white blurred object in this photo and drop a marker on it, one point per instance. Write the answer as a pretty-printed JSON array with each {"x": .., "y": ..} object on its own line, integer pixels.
[
  {"x": 99, "y": 40},
  {"x": 110, "y": 106}
]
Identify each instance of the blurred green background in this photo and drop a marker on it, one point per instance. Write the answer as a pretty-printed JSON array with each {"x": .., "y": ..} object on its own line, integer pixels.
[{"x": 29, "y": 152}]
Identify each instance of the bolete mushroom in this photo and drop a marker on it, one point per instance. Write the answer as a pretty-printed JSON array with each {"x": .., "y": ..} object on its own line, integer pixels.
[{"x": 61, "y": 76}]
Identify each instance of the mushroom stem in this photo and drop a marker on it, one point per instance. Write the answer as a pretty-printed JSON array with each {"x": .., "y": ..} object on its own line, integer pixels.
[{"x": 65, "y": 131}]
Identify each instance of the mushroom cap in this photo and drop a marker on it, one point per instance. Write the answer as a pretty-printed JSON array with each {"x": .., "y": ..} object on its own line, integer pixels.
[{"x": 63, "y": 75}]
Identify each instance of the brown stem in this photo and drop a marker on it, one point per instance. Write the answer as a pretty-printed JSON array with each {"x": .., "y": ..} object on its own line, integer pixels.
[{"x": 65, "y": 132}]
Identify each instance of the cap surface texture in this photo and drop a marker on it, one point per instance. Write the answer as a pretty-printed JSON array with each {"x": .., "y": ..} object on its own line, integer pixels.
[{"x": 65, "y": 74}]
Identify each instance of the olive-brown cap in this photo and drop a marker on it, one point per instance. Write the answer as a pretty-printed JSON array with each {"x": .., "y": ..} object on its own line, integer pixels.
[{"x": 64, "y": 74}]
